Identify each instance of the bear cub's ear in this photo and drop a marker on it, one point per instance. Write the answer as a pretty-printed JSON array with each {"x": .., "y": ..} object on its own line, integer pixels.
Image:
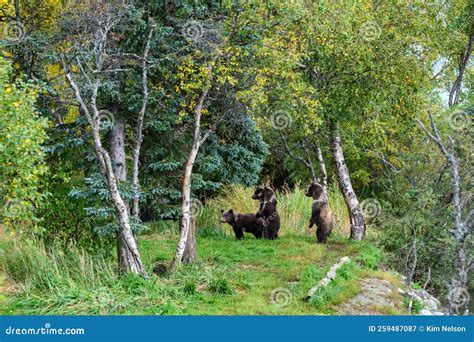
[
  {"x": 231, "y": 211},
  {"x": 222, "y": 210}
]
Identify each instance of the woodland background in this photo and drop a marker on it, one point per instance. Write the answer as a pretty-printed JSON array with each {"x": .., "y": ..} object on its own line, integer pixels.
[{"x": 126, "y": 126}]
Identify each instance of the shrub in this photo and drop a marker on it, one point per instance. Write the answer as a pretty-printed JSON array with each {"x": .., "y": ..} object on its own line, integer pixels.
[{"x": 21, "y": 155}]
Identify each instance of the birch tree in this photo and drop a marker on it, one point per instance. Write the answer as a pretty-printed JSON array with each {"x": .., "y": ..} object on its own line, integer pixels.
[
  {"x": 186, "y": 248},
  {"x": 95, "y": 62},
  {"x": 458, "y": 297},
  {"x": 208, "y": 77},
  {"x": 356, "y": 216}
]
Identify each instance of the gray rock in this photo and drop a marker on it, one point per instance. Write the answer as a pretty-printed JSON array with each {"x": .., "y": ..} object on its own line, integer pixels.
[
  {"x": 375, "y": 293},
  {"x": 424, "y": 294}
]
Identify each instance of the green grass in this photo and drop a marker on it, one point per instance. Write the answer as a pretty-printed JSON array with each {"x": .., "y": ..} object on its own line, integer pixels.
[{"x": 230, "y": 277}]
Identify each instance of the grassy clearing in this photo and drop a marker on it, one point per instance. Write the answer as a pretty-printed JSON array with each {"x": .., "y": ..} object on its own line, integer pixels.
[
  {"x": 231, "y": 277},
  {"x": 293, "y": 206}
]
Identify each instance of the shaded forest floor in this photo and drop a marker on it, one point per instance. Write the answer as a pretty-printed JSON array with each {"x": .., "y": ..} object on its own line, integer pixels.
[{"x": 249, "y": 277}]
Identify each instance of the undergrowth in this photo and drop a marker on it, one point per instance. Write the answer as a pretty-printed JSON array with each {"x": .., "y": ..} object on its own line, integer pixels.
[{"x": 230, "y": 276}]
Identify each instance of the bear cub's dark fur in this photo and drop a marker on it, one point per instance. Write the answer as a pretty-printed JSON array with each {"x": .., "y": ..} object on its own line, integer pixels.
[
  {"x": 241, "y": 223},
  {"x": 321, "y": 213},
  {"x": 268, "y": 211}
]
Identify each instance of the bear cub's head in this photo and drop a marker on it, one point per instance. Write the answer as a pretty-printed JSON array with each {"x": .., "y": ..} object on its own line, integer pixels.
[
  {"x": 315, "y": 190},
  {"x": 263, "y": 193},
  {"x": 227, "y": 216},
  {"x": 258, "y": 193}
]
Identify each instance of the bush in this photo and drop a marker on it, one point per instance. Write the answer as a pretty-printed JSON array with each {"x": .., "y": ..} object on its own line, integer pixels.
[
  {"x": 21, "y": 155},
  {"x": 369, "y": 256}
]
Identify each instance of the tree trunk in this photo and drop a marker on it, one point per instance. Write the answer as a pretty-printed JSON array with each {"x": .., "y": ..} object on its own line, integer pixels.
[
  {"x": 353, "y": 206},
  {"x": 309, "y": 163},
  {"x": 118, "y": 157},
  {"x": 188, "y": 220},
  {"x": 117, "y": 148},
  {"x": 464, "y": 58},
  {"x": 458, "y": 299},
  {"x": 129, "y": 258},
  {"x": 187, "y": 239},
  {"x": 190, "y": 249},
  {"x": 322, "y": 168}
]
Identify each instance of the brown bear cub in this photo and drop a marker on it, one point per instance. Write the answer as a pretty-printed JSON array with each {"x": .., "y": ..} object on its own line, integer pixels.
[
  {"x": 268, "y": 211},
  {"x": 241, "y": 223},
  {"x": 321, "y": 213}
]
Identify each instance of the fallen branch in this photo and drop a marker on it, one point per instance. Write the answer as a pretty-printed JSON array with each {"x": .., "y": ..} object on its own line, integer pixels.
[{"x": 330, "y": 275}]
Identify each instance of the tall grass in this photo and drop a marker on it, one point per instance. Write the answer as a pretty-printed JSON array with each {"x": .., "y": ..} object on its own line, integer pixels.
[
  {"x": 294, "y": 208},
  {"x": 37, "y": 268},
  {"x": 58, "y": 280},
  {"x": 71, "y": 282}
]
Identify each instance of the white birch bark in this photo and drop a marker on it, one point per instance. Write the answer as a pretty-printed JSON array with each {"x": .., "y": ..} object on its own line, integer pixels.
[
  {"x": 356, "y": 215},
  {"x": 187, "y": 222},
  {"x": 322, "y": 168}
]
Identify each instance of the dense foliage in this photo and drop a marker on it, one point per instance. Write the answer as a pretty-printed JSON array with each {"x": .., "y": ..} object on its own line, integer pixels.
[
  {"x": 21, "y": 154},
  {"x": 280, "y": 74}
]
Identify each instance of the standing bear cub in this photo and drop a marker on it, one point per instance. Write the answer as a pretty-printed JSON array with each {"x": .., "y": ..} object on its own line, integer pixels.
[
  {"x": 320, "y": 213},
  {"x": 268, "y": 211},
  {"x": 243, "y": 223}
]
